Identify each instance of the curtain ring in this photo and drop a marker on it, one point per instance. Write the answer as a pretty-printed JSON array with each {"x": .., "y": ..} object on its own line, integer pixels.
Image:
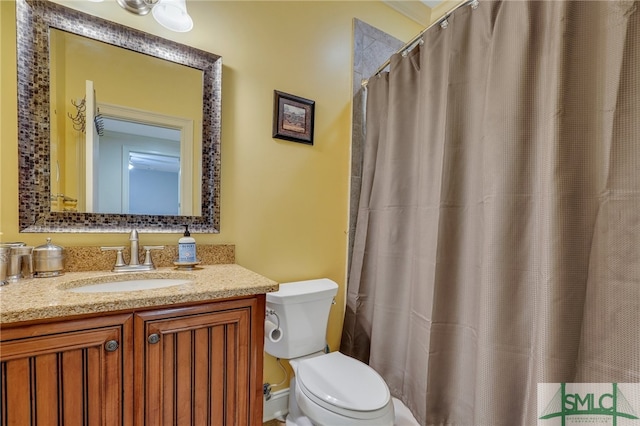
[
  {"x": 474, "y": 4},
  {"x": 444, "y": 24}
]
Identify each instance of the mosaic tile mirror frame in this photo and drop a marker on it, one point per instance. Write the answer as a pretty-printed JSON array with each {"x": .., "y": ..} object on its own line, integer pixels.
[{"x": 34, "y": 19}]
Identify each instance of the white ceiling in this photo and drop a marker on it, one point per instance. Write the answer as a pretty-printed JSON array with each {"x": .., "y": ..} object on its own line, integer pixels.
[{"x": 418, "y": 10}]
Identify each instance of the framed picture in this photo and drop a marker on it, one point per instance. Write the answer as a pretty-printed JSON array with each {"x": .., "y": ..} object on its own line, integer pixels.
[{"x": 293, "y": 118}]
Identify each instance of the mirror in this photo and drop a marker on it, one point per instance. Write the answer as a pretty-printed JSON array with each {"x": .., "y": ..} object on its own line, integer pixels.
[
  {"x": 106, "y": 101},
  {"x": 41, "y": 204}
]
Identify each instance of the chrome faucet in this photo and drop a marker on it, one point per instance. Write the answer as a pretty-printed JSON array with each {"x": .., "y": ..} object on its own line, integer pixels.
[
  {"x": 133, "y": 238},
  {"x": 134, "y": 262}
]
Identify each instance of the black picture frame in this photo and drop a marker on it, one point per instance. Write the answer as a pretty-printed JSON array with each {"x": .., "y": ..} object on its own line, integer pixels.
[{"x": 293, "y": 118}]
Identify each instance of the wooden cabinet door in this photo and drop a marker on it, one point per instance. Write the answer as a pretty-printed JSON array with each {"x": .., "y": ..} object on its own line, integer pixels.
[
  {"x": 68, "y": 373},
  {"x": 199, "y": 365}
]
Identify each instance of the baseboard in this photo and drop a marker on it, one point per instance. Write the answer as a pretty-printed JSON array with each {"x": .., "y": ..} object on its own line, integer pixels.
[{"x": 277, "y": 406}]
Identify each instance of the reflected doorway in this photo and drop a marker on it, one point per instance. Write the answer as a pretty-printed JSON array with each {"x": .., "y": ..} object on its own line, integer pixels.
[
  {"x": 152, "y": 184},
  {"x": 138, "y": 168}
]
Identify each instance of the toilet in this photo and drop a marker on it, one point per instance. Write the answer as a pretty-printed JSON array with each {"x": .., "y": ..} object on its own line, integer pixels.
[{"x": 328, "y": 389}]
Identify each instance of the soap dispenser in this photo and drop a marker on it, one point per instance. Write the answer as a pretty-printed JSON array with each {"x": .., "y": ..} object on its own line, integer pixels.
[{"x": 187, "y": 247}]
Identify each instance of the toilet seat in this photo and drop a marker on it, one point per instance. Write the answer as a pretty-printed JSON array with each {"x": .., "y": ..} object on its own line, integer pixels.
[{"x": 344, "y": 386}]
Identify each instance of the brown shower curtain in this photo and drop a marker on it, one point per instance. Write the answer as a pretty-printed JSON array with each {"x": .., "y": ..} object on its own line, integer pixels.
[{"x": 498, "y": 235}]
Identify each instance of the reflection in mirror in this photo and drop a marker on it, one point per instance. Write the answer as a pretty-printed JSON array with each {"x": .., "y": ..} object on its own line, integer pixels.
[
  {"x": 138, "y": 169},
  {"x": 86, "y": 74},
  {"x": 60, "y": 191}
]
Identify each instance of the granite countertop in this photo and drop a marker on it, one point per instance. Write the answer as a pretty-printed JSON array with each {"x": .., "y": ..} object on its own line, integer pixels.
[{"x": 44, "y": 298}]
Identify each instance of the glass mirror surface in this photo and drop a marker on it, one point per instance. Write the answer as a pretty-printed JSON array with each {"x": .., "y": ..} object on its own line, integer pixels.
[
  {"x": 107, "y": 114},
  {"x": 153, "y": 104}
]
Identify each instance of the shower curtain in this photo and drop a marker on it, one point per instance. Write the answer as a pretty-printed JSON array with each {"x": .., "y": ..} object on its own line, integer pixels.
[{"x": 498, "y": 235}]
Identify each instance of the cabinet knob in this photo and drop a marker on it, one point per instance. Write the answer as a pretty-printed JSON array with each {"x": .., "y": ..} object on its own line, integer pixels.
[
  {"x": 111, "y": 346},
  {"x": 153, "y": 338}
]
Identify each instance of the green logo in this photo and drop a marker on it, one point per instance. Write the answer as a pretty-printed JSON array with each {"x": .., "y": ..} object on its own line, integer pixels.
[{"x": 601, "y": 403}]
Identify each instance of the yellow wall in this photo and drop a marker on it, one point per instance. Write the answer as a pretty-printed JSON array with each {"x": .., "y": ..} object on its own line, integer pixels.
[{"x": 284, "y": 205}]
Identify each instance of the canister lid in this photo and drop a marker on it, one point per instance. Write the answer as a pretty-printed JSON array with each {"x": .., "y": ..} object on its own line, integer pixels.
[
  {"x": 10, "y": 245},
  {"x": 48, "y": 249}
]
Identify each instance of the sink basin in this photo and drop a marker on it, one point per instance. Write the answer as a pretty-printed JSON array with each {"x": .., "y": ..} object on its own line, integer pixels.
[{"x": 129, "y": 285}]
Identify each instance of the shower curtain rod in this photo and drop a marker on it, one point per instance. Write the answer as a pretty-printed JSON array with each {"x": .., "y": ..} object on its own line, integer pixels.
[{"x": 418, "y": 39}]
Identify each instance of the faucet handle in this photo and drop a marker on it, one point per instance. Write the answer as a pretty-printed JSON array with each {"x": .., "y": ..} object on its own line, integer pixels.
[
  {"x": 119, "y": 257},
  {"x": 147, "y": 254}
]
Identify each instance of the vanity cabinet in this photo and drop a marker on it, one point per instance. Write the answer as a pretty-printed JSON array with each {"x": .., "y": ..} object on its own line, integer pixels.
[
  {"x": 65, "y": 373},
  {"x": 195, "y": 365},
  {"x": 200, "y": 365}
]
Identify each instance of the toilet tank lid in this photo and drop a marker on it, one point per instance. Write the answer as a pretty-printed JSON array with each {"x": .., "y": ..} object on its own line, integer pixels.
[{"x": 303, "y": 291}]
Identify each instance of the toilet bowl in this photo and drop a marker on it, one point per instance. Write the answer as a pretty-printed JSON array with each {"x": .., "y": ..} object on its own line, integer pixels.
[
  {"x": 328, "y": 389},
  {"x": 336, "y": 390}
]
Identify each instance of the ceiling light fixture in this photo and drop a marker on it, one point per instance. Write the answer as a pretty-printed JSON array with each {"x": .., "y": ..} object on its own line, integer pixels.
[{"x": 171, "y": 14}]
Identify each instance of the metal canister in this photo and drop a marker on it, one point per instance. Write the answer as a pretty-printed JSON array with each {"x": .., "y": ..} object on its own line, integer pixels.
[
  {"x": 48, "y": 260},
  {"x": 5, "y": 251},
  {"x": 5, "y": 261}
]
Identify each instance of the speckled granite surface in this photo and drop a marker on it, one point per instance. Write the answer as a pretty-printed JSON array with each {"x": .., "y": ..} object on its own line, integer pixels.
[
  {"x": 42, "y": 298},
  {"x": 93, "y": 259}
]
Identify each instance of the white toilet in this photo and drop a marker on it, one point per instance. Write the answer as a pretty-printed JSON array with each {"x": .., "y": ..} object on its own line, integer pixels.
[{"x": 329, "y": 389}]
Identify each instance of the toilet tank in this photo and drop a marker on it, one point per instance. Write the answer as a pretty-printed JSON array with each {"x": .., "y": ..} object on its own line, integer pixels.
[{"x": 302, "y": 307}]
